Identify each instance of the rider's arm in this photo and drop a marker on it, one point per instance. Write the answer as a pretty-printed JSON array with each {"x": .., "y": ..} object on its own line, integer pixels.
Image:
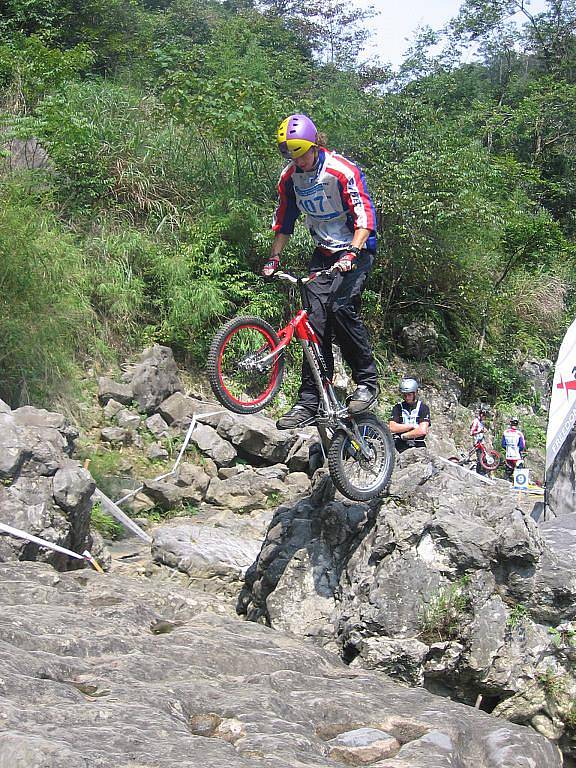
[
  {"x": 421, "y": 429},
  {"x": 287, "y": 211},
  {"x": 360, "y": 237},
  {"x": 283, "y": 221},
  {"x": 521, "y": 443},
  {"x": 398, "y": 429},
  {"x": 278, "y": 244}
]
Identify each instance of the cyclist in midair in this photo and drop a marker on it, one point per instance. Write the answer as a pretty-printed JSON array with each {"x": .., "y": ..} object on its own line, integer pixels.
[
  {"x": 330, "y": 191},
  {"x": 410, "y": 419}
]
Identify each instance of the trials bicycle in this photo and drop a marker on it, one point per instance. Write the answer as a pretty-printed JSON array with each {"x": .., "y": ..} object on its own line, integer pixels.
[
  {"x": 489, "y": 460},
  {"x": 246, "y": 366}
]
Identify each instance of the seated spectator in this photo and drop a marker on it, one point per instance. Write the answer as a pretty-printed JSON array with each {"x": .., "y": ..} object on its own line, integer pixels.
[{"x": 410, "y": 418}]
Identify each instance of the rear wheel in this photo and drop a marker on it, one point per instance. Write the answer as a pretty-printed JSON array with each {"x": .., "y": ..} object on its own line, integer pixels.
[
  {"x": 357, "y": 477},
  {"x": 245, "y": 374},
  {"x": 490, "y": 461}
]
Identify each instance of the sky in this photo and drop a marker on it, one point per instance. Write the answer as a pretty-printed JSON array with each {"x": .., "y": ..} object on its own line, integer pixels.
[{"x": 399, "y": 19}]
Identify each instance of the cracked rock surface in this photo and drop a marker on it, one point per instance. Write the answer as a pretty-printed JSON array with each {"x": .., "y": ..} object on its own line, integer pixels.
[{"x": 107, "y": 671}]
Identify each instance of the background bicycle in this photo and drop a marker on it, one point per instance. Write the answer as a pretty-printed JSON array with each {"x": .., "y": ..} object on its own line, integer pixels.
[{"x": 488, "y": 459}]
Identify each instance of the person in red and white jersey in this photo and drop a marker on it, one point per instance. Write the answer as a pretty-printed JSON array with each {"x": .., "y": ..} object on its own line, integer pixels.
[
  {"x": 330, "y": 192},
  {"x": 477, "y": 429},
  {"x": 515, "y": 444}
]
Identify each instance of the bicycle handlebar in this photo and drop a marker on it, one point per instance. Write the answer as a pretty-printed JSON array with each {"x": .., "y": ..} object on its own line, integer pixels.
[{"x": 289, "y": 278}]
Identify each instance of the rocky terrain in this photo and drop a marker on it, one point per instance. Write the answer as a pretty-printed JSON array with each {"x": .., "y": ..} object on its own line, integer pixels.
[{"x": 354, "y": 610}]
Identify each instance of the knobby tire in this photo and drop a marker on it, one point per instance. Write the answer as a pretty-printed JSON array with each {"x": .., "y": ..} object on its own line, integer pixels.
[
  {"x": 346, "y": 464},
  {"x": 260, "y": 388}
]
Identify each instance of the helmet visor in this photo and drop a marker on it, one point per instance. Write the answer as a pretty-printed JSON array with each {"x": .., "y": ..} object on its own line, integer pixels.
[{"x": 293, "y": 148}]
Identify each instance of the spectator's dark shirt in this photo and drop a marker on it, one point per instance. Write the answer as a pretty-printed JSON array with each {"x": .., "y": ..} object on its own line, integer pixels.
[{"x": 422, "y": 415}]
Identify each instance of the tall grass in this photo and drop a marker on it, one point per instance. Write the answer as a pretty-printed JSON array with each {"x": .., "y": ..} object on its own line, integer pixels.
[{"x": 46, "y": 321}]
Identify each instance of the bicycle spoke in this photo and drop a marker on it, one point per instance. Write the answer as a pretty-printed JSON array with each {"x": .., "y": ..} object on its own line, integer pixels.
[
  {"x": 365, "y": 473},
  {"x": 244, "y": 372}
]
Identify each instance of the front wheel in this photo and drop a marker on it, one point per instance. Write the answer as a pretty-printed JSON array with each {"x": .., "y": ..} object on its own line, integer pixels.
[
  {"x": 244, "y": 370},
  {"x": 357, "y": 477},
  {"x": 490, "y": 461}
]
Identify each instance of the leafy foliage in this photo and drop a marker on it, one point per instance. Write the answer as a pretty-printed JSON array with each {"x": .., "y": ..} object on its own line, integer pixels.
[
  {"x": 104, "y": 523},
  {"x": 151, "y": 221},
  {"x": 46, "y": 321}
]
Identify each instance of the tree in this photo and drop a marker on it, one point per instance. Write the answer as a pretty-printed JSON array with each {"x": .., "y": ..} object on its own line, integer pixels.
[{"x": 334, "y": 29}]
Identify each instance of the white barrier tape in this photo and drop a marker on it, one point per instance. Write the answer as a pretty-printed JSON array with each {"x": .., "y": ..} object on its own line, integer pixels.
[
  {"x": 42, "y": 542},
  {"x": 187, "y": 438},
  {"x": 537, "y": 491},
  {"x": 122, "y": 517},
  {"x": 484, "y": 479},
  {"x": 186, "y": 441}
]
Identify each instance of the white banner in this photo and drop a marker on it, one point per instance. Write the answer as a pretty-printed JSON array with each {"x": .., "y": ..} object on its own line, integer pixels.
[{"x": 562, "y": 414}]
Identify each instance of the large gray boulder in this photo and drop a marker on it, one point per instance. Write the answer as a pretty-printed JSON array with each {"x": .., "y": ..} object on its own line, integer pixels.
[
  {"x": 419, "y": 340},
  {"x": 178, "y": 409},
  {"x": 23, "y": 154},
  {"x": 110, "y": 390},
  {"x": 187, "y": 485},
  {"x": 210, "y": 443},
  {"x": 245, "y": 491},
  {"x": 255, "y": 436},
  {"x": 446, "y": 584},
  {"x": 43, "y": 491},
  {"x": 135, "y": 672},
  {"x": 214, "y": 557},
  {"x": 539, "y": 373},
  {"x": 153, "y": 378}
]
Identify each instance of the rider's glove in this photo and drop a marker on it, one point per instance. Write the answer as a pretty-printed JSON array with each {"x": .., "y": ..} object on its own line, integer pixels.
[
  {"x": 271, "y": 266},
  {"x": 346, "y": 262}
]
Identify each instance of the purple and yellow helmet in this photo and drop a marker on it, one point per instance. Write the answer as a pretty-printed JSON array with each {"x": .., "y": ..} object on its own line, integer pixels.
[{"x": 296, "y": 135}]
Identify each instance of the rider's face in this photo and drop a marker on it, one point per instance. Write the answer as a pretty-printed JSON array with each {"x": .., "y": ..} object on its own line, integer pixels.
[
  {"x": 409, "y": 397},
  {"x": 307, "y": 161}
]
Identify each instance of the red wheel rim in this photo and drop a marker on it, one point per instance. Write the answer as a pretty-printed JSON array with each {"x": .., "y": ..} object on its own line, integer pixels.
[{"x": 273, "y": 373}]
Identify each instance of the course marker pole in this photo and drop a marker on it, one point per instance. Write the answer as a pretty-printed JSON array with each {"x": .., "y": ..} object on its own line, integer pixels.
[{"x": 191, "y": 428}]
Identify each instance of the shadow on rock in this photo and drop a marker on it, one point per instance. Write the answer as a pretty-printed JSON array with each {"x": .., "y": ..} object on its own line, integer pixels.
[{"x": 293, "y": 582}]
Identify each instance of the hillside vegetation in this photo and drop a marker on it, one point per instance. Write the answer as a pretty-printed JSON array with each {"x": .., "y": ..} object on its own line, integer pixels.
[{"x": 150, "y": 218}]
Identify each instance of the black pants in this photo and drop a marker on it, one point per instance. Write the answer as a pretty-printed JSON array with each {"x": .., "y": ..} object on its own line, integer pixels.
[
  {"x": 479, "y": 468},
  {"x": 334, "y": 310},
  {"x": 403, "y": 445}
]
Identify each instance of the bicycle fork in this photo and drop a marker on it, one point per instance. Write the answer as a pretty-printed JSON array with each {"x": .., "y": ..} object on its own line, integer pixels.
[{"x": 332, "y": 411}]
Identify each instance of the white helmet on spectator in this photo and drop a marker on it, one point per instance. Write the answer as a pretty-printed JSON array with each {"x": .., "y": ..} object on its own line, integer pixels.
[{"x": 408, "y": 385}]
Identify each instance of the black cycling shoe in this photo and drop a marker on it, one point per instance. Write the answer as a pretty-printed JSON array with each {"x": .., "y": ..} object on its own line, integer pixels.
[
  {"x": 297, "y": 416},
  {"x": 362, "y": 398}
]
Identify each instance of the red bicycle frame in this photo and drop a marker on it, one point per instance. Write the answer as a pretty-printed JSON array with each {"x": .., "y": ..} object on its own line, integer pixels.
[{"x": 300, "y": 327}]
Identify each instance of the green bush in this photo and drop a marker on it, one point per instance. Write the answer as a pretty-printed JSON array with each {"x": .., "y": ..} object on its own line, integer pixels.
[
  {"x": 114, "y": 147},
  {"x": 46, "y": 322},
  {"x": 442, "y": 616},
  {"x": 105, "y": 524},
  {"x": 29, "y": 69}
]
